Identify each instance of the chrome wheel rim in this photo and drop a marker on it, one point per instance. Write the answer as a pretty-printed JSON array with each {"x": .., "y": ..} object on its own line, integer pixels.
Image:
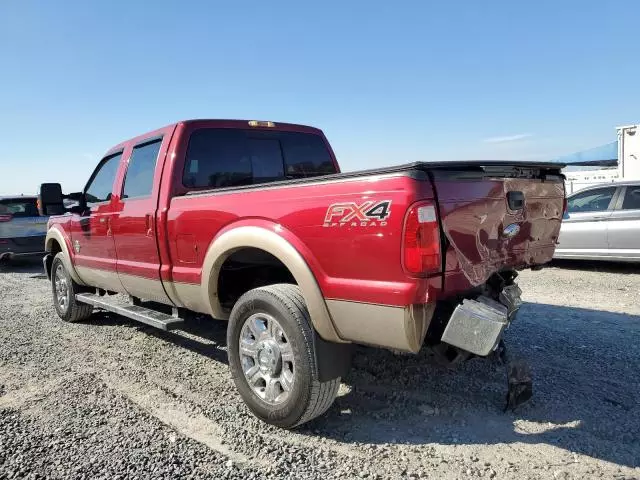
[
  {"x": 62, "y": 289},
  {"x": 267, "y": 359}
]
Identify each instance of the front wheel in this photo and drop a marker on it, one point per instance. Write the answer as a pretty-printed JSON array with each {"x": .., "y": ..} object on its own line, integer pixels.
[
  {"x": 64, "y": 293},
  {"x": 272, "y": 357}
]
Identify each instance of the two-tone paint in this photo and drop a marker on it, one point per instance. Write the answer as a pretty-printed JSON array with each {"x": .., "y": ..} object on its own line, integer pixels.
[{"x": 345, "y": 254}]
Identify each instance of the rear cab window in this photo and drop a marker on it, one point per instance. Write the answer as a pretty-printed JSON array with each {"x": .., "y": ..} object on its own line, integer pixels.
[{"x": 219, "y": 157}]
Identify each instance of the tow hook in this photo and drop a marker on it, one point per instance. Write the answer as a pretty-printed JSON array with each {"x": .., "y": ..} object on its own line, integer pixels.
[{"x": 519, "y": 381}]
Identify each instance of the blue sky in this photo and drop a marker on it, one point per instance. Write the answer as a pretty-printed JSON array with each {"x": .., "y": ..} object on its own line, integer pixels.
[{"x": 388, "y": 82}]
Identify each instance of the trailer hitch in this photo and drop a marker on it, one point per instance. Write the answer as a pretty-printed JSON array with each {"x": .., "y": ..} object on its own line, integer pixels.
[{"x": 519, "y": 381}]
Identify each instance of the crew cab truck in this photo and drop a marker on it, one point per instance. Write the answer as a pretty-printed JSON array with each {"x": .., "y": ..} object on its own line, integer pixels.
[{"x": 252, "y": 222}]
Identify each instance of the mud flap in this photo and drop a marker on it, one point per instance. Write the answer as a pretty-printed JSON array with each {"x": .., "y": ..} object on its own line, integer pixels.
[
  {"x": 519, "y": 380},
  {"x": 520, "y": 388}
]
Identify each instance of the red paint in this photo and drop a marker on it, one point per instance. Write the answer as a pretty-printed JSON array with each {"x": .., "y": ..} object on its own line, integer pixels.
[
  {"x": 352, "y": 255},
  {"x": 134, "y": 219},
  {"x": 93, "y": 233}
]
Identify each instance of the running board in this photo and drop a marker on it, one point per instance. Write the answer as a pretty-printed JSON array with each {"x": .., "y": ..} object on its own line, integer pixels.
[{"x": 140, "y": 314}]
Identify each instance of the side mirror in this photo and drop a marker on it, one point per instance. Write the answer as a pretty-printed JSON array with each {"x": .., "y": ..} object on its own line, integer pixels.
[
  {"x": 51, "y": 200},
  {"x": 76, "y": 202}
]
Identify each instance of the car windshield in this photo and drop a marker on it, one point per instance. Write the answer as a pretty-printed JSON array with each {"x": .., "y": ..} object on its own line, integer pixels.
[{"x": 19, "y": 207}]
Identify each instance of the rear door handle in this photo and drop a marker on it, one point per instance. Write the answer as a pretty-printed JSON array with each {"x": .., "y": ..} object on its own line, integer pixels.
[{"x": 148, "y": 222}]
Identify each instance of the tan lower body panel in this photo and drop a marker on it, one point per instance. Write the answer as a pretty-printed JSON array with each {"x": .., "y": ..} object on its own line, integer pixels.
[
  {"x": 96, "y": 277},
  {"x": 369, "y": 324},
  {"x": 381, "y": 325},
  {"x": 189, "y": 295},
  {"x": 145, "y": 288}
]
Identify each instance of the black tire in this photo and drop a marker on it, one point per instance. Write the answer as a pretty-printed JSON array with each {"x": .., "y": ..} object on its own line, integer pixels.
[
  {"x": 71, "y": 311},
  {"x": 308, "y": 397}
]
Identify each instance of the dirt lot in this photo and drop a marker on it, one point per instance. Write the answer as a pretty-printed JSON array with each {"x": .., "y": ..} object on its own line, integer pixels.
[{"x": 112, "y": 399}]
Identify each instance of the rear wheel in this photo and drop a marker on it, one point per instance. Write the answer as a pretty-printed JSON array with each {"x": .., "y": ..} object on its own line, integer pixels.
[
  {"x": 64, "y": 293},
  {"x": 272, "y": 357}
]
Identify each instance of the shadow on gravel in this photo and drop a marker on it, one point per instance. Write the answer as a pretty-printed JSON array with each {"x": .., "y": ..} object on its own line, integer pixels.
[
  {"x": 586, "y": 397},
  {"x": 593, "y": 266},
  {"x": 586, "y": 400},
  {"x": 210, "y": 337},
  {"x": 199, "y": 334},
  {"x": 31, "y": 265}
]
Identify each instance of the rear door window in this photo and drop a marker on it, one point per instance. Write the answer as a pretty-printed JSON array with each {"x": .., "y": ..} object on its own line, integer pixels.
[
  {"x": 19, "y": 207},
  {"x": 218, "y": 158},
  {"x": 596, "y": 200},
  {"x": 631, "y": 198},
  {"x": 138, "y": 181},
  {"x": 101, "y": 183}
]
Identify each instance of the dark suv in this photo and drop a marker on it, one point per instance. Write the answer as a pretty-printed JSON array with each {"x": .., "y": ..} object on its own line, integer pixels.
[{"x": 22, "y": 228}]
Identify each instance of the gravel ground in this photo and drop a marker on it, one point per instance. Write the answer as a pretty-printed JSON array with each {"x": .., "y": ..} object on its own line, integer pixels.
[{"x": 111, "y": 399}]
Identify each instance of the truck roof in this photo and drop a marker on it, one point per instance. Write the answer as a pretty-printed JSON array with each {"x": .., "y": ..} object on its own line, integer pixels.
[{"x": 220, "y": 123}]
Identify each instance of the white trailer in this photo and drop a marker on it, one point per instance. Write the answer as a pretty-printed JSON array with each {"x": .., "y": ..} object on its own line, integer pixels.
[{"x": 628, "y": 167}]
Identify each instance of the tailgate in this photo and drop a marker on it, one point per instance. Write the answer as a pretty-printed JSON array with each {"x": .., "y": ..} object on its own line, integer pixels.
[{"x": 496, "y": 218}]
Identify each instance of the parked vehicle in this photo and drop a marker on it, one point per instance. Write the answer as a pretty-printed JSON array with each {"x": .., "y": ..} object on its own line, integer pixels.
[
  {"x": 22, "y": 229},
  {"x": 252, "y": 222},
  {"x": 602, "y": 223}
]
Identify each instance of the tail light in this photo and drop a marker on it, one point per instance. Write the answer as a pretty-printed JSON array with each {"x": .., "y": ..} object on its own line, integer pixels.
[
  {"x": 421, "y": 240},
  {"x": 6, "y": 217}
]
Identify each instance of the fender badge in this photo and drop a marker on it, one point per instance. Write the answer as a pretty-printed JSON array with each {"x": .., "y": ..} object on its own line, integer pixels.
[
  {"x": 76, "y": 246},
  {"x": 511, "y": 231}
]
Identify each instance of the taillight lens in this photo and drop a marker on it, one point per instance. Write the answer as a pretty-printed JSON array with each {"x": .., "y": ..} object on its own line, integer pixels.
[
  {"x": 421, "y": 241},
  {"x": 5, "y": 217}
]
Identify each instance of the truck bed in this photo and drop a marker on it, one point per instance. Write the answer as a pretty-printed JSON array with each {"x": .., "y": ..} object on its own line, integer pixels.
[{"x": 469, "y": 168}]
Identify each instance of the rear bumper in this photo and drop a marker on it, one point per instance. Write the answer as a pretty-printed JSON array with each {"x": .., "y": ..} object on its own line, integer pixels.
[
  {"x": 477, "y": 325},
  {"x": 21, "y": 246}
]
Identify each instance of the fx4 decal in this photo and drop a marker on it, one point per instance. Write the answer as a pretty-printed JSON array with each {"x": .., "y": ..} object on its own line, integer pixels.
[{"x": 367, "y": 214}]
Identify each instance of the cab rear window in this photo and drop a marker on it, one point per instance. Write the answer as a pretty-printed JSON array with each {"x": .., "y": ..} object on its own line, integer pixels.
[
  {"x": 19, "y": 207},
  {"x": 219, "y": 158}
]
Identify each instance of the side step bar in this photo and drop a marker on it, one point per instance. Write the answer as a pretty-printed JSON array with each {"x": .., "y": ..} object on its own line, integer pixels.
[{"x": 140, "y": 314}]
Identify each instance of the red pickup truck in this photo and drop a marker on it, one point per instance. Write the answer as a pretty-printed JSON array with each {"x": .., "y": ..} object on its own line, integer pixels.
[{"x": 252, "y": 222}]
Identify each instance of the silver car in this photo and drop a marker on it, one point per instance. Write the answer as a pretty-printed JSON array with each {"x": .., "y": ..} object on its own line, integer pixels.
[{"x": 602, "y": 223}]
